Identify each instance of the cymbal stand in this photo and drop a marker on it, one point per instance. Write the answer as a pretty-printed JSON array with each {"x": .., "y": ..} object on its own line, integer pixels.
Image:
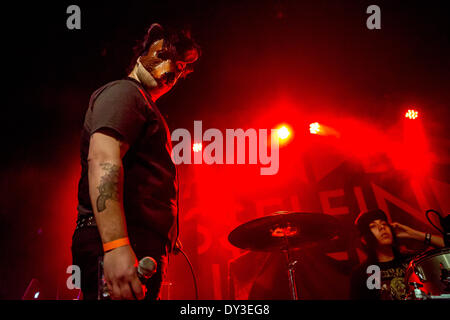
[{"x": 291, "y": 269}]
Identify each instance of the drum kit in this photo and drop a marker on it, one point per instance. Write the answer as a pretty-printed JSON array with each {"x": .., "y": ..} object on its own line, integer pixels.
[
  {"x": 427, "y": 276},
  {"x": 285, "y": 231}
]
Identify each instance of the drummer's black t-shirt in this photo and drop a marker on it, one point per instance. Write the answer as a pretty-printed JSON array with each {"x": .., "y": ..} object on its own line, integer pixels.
[
  {"x": 393, "y": 286},
  {"x": 150, "y": 185}
]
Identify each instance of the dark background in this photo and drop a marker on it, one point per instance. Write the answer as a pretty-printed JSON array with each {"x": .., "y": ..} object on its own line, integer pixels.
[{"x": 318, "y": 53}]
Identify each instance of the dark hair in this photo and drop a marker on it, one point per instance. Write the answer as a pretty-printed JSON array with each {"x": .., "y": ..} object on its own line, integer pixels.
[
  {"x": 176, "y": 43},
  {"x": 362, "y": 223},
  {"x": 372, "y": 242}
]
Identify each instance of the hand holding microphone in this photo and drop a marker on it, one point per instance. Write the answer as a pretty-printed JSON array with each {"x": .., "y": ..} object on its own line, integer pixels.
[{"x": 122, "y": 279}]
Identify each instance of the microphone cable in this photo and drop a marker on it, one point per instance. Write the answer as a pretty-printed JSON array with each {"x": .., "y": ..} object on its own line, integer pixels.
[
  {"x": 194, "y": 278},
  {"x": 178, "y": 246},
  {"x": 427, "y": 214}
]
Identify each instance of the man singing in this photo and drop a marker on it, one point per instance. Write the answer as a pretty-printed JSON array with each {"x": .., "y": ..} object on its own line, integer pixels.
[{"x": 127, "y": 193}]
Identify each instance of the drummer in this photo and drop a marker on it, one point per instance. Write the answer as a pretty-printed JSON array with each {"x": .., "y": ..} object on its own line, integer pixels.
[{"x": 379, "y": 240}]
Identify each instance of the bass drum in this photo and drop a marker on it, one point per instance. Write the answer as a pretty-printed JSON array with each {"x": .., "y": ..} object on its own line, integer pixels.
[{"x": 429, "y": 272}]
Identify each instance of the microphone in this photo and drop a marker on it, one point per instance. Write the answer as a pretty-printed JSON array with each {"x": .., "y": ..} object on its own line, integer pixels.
[{"x": 146, "y": 269}]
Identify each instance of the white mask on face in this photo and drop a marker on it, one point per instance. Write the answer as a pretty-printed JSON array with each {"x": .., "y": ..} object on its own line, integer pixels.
[{"x": 144, "y": 76}]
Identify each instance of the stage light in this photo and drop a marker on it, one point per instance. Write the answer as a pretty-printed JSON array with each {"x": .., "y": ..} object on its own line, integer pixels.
[
  {"x": 197, "y": 147},
  {"x": 36, "y": 295},
  {"x": 314, "y": 128},
  {"x": 283, "y": 133},
  {"x": 412, "y": 114}
]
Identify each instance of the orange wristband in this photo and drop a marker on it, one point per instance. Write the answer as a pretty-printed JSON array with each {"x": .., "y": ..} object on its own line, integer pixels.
[{"x": 115, "y": 244}]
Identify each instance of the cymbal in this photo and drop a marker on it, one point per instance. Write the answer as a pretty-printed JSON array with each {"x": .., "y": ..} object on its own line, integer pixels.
[{"x": 283, "y": 230}]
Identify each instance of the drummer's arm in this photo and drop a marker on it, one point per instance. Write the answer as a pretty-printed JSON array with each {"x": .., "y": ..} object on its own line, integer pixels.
[
  {"x": 435, "y": 240},
  {"x": 403, "y": 231}
]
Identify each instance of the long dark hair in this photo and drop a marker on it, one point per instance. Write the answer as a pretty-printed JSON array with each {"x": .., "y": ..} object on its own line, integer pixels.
[
  {"x": 372, "y": 242},
  {"x": 176, "y": 43}
]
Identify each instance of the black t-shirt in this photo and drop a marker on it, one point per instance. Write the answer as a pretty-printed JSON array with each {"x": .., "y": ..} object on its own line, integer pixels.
[
  {"x": 150, "y": 177},
  {"x": 393, "y": 286}
]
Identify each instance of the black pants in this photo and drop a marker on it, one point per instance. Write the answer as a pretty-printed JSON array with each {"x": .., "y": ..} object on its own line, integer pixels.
[{"x": 87, "y": 248}]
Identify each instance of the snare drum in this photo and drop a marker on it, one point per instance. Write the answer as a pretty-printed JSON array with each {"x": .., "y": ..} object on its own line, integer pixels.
[{"x": 429, "y": 272}]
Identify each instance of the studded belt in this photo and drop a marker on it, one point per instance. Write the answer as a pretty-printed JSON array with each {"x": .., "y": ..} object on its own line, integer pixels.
[{"x": 86, "y": 222}]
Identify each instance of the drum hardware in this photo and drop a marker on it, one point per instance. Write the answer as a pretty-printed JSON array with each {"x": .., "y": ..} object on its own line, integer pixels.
[
  {"x": 428, "y": 275},
  {"x": 285, "y": 231},
  {"x": 420, "y": 295},
  {"x": 445, "y": 277},
  {"x": 418, "y": 271},
  {"x": 441, "y": 297},
  {"x": 417, "y": 294}
]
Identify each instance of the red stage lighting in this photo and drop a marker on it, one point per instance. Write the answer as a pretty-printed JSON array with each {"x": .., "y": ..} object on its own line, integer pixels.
[
  {"x": 197, "y": 147},
  {"x": 283, "y": 133},
  {"x": 411, "y": 114},
  {"x": 314, "y": 128}
]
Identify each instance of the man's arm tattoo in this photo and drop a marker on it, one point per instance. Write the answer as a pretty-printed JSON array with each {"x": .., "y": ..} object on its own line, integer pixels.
[{"x": 109, "y": 185}]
